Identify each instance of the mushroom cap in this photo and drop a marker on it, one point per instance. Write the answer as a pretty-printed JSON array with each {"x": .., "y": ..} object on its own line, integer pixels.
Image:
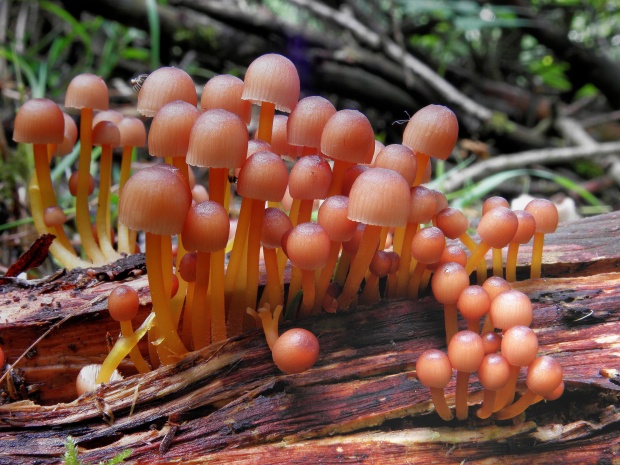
[
  {"x": 54, "y": 216},
  {"x": 379, "y": 197},
  {"x": 39, "y": 121},
  {"x": 107, "y": 115},
  {"x": 123, "y": 303},
  {"x": 422, "y": 205},
  {"x": 466, "y": 351},
  {"x": 544, "y": 375},
  {"x": 170, "y": 130},
  {"x": 350, "y": 175},
  {"x": 348, "y": 136},
  {"x": 263, "y": 176},
  {"x": 206, "y": 227},
  {"x": 218, "y": 139},
  {"x": 491, "y": 342},
  {"x": 85, "y": 381},
  {"x": 310, "y": 178},
  {"x": 399, "y": 158},
  {"x": 275, "y": 224},
  {"x": 494, "y": 202},
  {"x": 106, "y": 133},
  {"x": 279, "y": 139},
  {"x": 519, "y": 345},
  {"x": 497, "y": 227},
  {"x": 545, "y": 213},
  {"x": 187, "y": 267},
  {"x": 378, "y": 147},
  {"x": 69, "y": 139},
  {"x": 307, "y": 120},
  {"x": 526, "y": 228},
  {"x": 133, "y": 132},
  {"x": 156, "y": 200},
  {"x": 295, "y": 351},
  {"x": 493, "y": 372},
  {"x": 451, "y": 253},
  {"x": 495, "y": 285},
  {"x": 224, "y": 91},
  {"x": 427, "y": 245},
  {"x": 381, "y": 263},
  {"x": 433, "y": 131},
  {"x": 165, "y": 85},
  {"x": 448, "y": 282},
  {"x": 307, "y": 246},
  {"x": 511, "y": 308},
  {"x": 87, "y": 91},
  {"x": 474, "y": 302},
  {"x": 433, "y": 369},
  {"x": 272, "y": 78},
  {"x": 452, "y": 222},
  {"x": 333, "y": 217}
]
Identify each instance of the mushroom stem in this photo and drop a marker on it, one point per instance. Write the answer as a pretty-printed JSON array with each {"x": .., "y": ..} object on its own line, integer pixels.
[
  {"x": 273, "y": 287},
  {"x": 308, "y": 287},
  {"x": 326, "y": 275},
  {"x": 487, "y": 404},
  {"x": 217, "y": 301},
  {"x": 518, "y": 407},
  {"x": 370, "y": 294},
  {"x": 511, "y": 262},
  {"x": 134, "y": 354},
  {"x": 451, "y": 321},
  {"x": 422, "y": 160},
  {"x": 103, "y": 204},
  {"x": 186, "y": 335},
  {"x": 405, "y": 259},
  {"x": 236, "y": 255},
  {"x": 462, "y": 382},
  {"x": 305, "y": 211},
  {"x": 343, "y": 268},
  {"x": 414, "y": 282},
  {"x": 82, "y": 214},
  {"x": 218, "y": 181},
  {"x": 265, "y": 122},
  {"x": 537, "y": 251},
  {"x": 360, "y": 265},
  {"x": 441, "y": 406},
  {"x": 201, "y": 313},
  {"x": 160, "y": 294},
  {"x": 124, "y": 240},
  {"x": 340, "y": 168},
  {"x": 498, "y": 263},
  {"x": 506, "y": 394},
  {"x": 481, "y": 270},
  {"x": 255, "y": 228},
  {"x": 476, "y": 256}
]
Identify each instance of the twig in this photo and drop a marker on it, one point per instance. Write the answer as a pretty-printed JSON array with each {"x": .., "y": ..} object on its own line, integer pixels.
[{"x": 517, "y": 160}]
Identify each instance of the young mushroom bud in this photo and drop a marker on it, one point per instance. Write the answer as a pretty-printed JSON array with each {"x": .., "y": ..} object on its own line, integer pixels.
[
  {"x": 465, "y": 352},
  {"x": 434, "y": 371}
]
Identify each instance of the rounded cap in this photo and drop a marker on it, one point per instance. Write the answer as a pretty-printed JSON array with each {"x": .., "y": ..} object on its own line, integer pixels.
[
  {"x": 526, "y": 228},
  {"x": 544, "y": 376},
  {"x": 379, "y": 197},
  {"x": 307, "y": 120},
  {"x": 275, "y": 224},
  {"x": 85, "y": 381},
  {"x": 87, "y": 91},
  {"x": 54, "y": 216},
  {"x": 511, "y": 308},
  {"x": 452, "y": 222},
  {"x": 545, "y": 213},
  {"x": 350, "y": 175},
  {"x": 493, "y": 202},
  {"x": 448, "y": 282},
  {"x": 423, "y": 205},
  {"x": 187, "y": 267},
  {"x": 310, "y": 178},
  {"x": 133, "y": 132},
  {"x": 474, "y": 302},
  {"x": 295, "y": 351},
  {"x": 272, "y": 78},
  {"x": 519, "y": 346},
  {"x": 39, "y": 121},
  {"x": 170, "y": 129},
  {"x": 279, "y": 140},
  {"x": 165, "y": 85},
  {"x": 107, "y": 115},
  {"x": 73, "y": 184},
  {"x": 491, "y": 341},
  {"x": 224, "y": 91},
  {"x": 493, "y": 372},
  {"x": 427, "y": 245},
  {"x": 433, "y": 369},
  {"x": 333, "y": 217},
  {"x": 495, "y": 286},
  {"x": 69, "y": 139},
  {"x": 218, "y": 139},
  {"x": 156, "y": 200},
  {"x": 497, "y": 227},
  {"x": 466, "y": 351},
  {"x": 381, "y": 263},
  {"x": 307, "y": 246},
  {"x": 206, "y": 228},
  {"x": 263, "y": 176},
  {"x": 452, "y": 253},
  {"x": 433, "y": 131},
  {"x": 348, "y": 136},
  {"x": 399, "y": 158},
  {"x": 123, "y": 303},
  {"x": 106, "y": 133}
]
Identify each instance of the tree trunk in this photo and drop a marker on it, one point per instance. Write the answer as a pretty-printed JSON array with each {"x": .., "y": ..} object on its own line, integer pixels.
[{"x": 361, "y": 403}]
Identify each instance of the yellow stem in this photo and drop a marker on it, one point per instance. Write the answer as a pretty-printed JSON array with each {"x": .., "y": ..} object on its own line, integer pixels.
[
  {"x": 201, "y": 314},
  {"x": 308, "y": 285},
  {"x": 414, "y": 282},
  {"x": 450, "y": 321},
  {"x": 218, "y": 181},
  {"x": 511, "y": 262},
  {"x": 103, "y": 206},
  {"x": 134, "y": 354},
  {"x": 305, "y": 211},
  {"x": 423, "y": 160},
  {"x": 518, "y": 407},
  {"x": 405, "y": 259},
  {"x": 343, "y": 268},
  {"x": 265, "y": 122},
  {"x": 498, "y": 263},
  {"x": 507, "y": 393},
  {"x": 123, "y": 231},
  {"x": 340, "y": 167},
  {"x": 234, "y": 324},
  {"x": 537, "y": 251},
  {"x": 254, "y": 233},
  {"x": 441, "y": 406},
  {"x": 273, "y": 289},
  {"x": 476, "y": 256},
  {"x": 370, "y": 294},
  {"x": 487, "y": 404},
  {"x": 236, "y": 255},
  {"x": 325, "y": 275},
  {"x": 186, "y": 335},
  {"x": 218, "y": 307},
  {"x": 462, "y": 382}
]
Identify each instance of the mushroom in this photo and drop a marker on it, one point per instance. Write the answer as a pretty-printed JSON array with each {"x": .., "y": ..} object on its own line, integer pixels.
[
  {"x": 448, "y": 282},
  {"x": 465, "y": 352},
  {"x": 525, "y": 231},
  {"x": 86, "y": 378},
  {"x": 474, "y": 303},
  {"x": 275, "y": 224},
  {"x": 434, "y": 371},
  {"x": 427, "y": 247},
  {"x": 224, "y": 92},
  {"x": 546, "y": 215},
  {"x": 493, "y": 374},
  {"x": 379, "y": 267},
  {"x": 306, "y": 122},
  {"x": 165, "y": 85},
  {"x": 489, "y": 204}
]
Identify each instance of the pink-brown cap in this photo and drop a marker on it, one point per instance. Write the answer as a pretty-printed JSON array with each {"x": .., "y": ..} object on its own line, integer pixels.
[
  {"x": 224, "y": 91},
  {"x": 206, "y": 228},
  {"x": 493, "y": 202},
  {"x": 333, "y": 217},
  {"x": 39, "y": 121},
  {"x": 526, "y": 228},
  {"x": 69, "y": 139},
  {"x": 156, "y": 200},
  {"x": 275, "y": 224},
  {"x": 348, "y": 136},
  {"x": 165, "y": 85},
  {"x": 381, "y": 263},
  {"x": 452, "y": 222},
  {"x": 427, "y": 245},
  {"x": 307, "y": 120},
  {"x": 474, "y": 302},
  {"x": 545, "y": 213},
  {"x": 399, "y": 158},
  {"x": 295, "y": 351},
  {"x": 433, "y": 131},
  {"x": 465, "y": 351},
  {"x": 433, "y": 369},
  {"x": 350, "y": 175},
  {"x": 170, "y": 129},
  {"x": 495, "y": 285},
  {"x": 423, "y": 204},
  {"x": 107, "y": 115},
  {"x": 378, "y": 147},
  {"x": 272, "y": 78},
  {"x": 279, "y": 140},
  {"x": 493, "y": 372},
  {"x": 310, "y": 178},
  {"x": 218, "y": 139},
  {"x": 497, "y": 227},
  {"x": 379, "y": 197},
  {"x": 307, "y": 246},
  {"x": 133, "y": 132},
  {"x": 544, "y": 375},
  {"x": 106, "y": 133},
  {"x": 491, "y": 341},
  {"x": 263, "y": 176},
  {"x": 520, "y": 345},
  {"x": 511, "y": 308},
  {"x": 452, "y": 253},
  {"x": 87, "y": 91},
  {"x": 448, "y": 282},
  {"x": 187, "y": 267}
]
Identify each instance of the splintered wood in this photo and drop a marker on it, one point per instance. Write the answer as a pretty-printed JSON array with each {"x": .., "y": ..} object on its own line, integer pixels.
[{"x": 360, "y": 403}]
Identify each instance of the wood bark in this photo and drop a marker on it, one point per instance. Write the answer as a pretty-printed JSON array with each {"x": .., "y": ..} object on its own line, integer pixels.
[{"x": 361, "y": 403}]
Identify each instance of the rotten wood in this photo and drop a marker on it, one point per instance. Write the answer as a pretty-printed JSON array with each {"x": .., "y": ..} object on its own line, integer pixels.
[{"x": 359, "y": 404}]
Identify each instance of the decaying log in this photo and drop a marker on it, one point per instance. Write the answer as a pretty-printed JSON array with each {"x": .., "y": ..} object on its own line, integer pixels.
[{"x": 359, "y": 404}]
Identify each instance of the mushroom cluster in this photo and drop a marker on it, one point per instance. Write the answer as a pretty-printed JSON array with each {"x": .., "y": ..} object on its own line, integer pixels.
[{"x": 379, "y": 233}]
